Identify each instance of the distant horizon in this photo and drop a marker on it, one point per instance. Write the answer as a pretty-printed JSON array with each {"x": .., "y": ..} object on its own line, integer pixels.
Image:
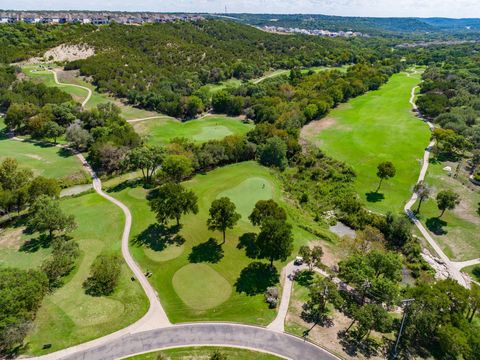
[
  {"x": 450, "y": 9},
  {"x": 238, "y": 13}
]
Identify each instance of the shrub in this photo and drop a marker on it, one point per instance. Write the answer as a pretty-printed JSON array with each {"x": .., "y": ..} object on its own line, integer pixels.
[{"x": 104, "y": 275}]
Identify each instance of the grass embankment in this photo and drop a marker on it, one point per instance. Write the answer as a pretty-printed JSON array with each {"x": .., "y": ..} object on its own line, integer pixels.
[
  {"x": 205, "y": 353},
  {"x": 44, "y": 159},
  {"x": 36, "y": 73},
  {"x": 197, "y": 278},
  {"x": 378, "y": 126},
  {"x": 212, "y": 127},
  {"x": 68, "y": 316},
  {"x": 456, "y": 231}
]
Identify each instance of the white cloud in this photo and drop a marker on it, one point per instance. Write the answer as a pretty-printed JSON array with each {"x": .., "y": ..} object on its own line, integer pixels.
[{"x": 423, "y": 8}]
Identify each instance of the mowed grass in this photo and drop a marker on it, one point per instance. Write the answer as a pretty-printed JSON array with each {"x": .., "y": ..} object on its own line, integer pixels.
[
  {"x": 200, "y": 282},
  {"x": 212, "y": 127},
  {"x": 378, "y": 126},
  {"x": 36, "y": 73},
  {"x": 43, "y": 159},
  {"x": 68, "y": 316},
  {"x": 456, "y": 231},
  {"x": 204, "y": 352}
]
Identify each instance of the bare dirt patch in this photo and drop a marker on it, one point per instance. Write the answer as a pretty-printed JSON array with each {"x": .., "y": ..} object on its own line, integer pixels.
[
  {"x": 65, "y": 52},
  {"x": 313, "y": 128},
  {"x": 11, "y": 238}
]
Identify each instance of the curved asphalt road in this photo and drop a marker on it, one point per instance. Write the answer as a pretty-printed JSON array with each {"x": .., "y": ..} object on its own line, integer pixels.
[{"x": 221, "y": 334}]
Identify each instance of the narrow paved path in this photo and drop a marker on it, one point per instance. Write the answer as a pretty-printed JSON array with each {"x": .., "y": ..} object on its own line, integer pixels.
[
  {"x": 278, "y": 324},
  {"x": 453, "y": 271},
  {"x": 89, "y": 92}
]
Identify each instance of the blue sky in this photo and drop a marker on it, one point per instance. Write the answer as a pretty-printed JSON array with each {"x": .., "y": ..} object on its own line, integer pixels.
[{"x": 421, "y": 8}]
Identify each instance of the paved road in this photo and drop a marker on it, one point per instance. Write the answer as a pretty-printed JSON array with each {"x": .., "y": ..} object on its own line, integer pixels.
[
  {"x": 453, "y": 271},
  {"x": 89, "y": 92},
  {"x": 221, "y": 334}
]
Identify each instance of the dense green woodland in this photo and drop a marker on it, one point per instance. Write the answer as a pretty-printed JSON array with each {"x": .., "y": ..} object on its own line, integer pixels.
[
  {"x": 21, "y": 41},
  {"x": 162, "y": 67},
  {"x": 158, "y": 66}
]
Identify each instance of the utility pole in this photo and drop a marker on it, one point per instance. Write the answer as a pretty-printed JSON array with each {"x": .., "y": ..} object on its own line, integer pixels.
[{"x": 405, "y": 303}]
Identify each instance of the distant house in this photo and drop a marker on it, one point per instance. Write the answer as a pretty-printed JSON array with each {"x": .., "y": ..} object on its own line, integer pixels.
[{"x": 100, "y": 21}]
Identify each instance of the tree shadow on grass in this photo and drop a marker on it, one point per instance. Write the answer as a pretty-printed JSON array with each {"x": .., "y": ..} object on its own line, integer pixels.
[
  {"x": 158, "y": 236},
  {"x": 209, "y": 251},
  {"x": 256, "y": 278},
  {"x": 436, "y": 226},
  {"x": 247, "y": 242},
  {"x": 124, "y": 185},
  {"x": 374, "y": 196},
  {"x": 367, "y": 347},
  {"x": 43, "y": 241}
]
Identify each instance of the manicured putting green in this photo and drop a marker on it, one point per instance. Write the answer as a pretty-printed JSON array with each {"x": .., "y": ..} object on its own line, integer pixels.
[
  {"x": 246, "y": 194},
  {"x": 162, "y": 130},
  {"x": 201, "y": 287},
  {"x": 169, "y": 253},
  {"x": 378, "y": 126}
]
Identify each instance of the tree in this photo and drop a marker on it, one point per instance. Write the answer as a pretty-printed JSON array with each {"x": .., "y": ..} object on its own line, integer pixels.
[
  {"x": 18, "y": 114},
  {"x": 475, "y": 161},
  {"x": 423, "y": 192},
  {"x": 171, "y": 201},
  {"x": 385, "y": 170},
  {"x": 322, "y": 292},
  {"x": 193, "y": 106},
  {"x": 370, "y": 317},
  {"x": 275, "y": 240},
  {"x": 43, "y": 186},
  {"x": 274, "y": 153},
  {"x": 217, "y": 355},
  {"x": 104, "y": 275},
  {"x": 312, "y": 257},
  {"x": 447, "y": 200},
  {"x": 51, "y": 130},
  {"x": 367, "y": 239},
  {"x": 375, "y": 274},
  {"x": 176, "y": 168},
  {"x": 266, "y": 209},
  {"x": 47, "y": 216},
  {"x": 77, "y": 136},
  {"x": 21, "y": 293},
  {"x": 146, "y": 158},
  {"x": 222, "y": 215},
  {"x": 62, "y": 261}
]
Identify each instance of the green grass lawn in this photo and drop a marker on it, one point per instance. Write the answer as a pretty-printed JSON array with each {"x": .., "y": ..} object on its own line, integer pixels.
[
  {"x": 214, "y": 88},
  {"x": 378, "y": 126},
  {"x": 470, "y": 269},
  {"x": 213, "y": 127},
  {"x": 79, "y": 95},
  {"x": 204, "y": 352},
  {"x": 44, "y": 159},
  {"x": 456, "y": 231},
  {"x": 68, "y": 316},
  {"x": 196, "y": 279}
]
